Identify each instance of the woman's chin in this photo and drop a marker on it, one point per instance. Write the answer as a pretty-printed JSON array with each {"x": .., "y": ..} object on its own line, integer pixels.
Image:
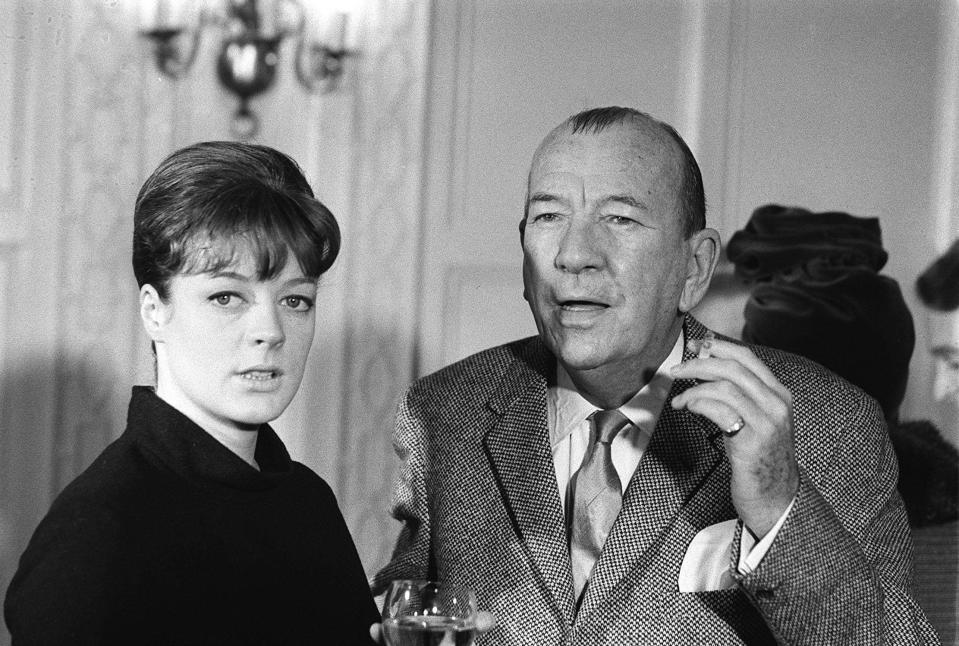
[{"x": 256, "y": 413}]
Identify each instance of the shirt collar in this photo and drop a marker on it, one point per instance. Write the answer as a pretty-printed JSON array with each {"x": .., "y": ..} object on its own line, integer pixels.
[{"x": 643, "y": 409}]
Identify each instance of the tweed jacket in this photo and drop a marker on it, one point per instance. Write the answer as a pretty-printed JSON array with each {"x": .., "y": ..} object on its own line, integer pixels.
[{"x": 478, "y": 502}]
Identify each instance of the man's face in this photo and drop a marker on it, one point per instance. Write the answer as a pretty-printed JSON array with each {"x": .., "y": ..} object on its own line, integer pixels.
[{"x": 604, "y": 255}]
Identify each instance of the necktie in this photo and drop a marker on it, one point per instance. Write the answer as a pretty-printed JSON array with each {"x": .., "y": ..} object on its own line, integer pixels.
[{"x": 597, "y": 496}]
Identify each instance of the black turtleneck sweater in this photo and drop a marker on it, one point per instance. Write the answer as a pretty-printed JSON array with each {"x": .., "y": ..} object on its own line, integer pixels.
[{"x": 170, "y": 538}]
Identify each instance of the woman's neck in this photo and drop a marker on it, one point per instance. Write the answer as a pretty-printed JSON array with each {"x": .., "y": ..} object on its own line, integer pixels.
[{"x": 242, "y": 443}]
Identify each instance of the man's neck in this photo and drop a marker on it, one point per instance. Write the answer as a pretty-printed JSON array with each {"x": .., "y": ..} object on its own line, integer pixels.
[{"x": 612, "y": 385}]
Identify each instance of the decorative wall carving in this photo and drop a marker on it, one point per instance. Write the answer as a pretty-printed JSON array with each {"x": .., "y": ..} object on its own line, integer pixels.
[
  {"x": 380, "y": 265},
  {"x": 100, "y": 155},
  {"x": 11, "y": 218}
]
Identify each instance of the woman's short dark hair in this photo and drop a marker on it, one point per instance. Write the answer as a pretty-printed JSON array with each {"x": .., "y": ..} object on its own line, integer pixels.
[{"x": 206, "y": 202}]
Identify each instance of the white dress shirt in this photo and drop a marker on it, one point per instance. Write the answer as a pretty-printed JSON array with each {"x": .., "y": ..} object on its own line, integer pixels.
[{"x": 569, "y": 431}]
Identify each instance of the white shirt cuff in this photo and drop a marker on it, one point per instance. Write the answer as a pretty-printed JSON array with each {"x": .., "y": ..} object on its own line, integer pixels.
[{"x": 751, "y": 553}]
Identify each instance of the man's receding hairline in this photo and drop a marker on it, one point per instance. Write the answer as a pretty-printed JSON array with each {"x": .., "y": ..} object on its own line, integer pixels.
[{"x": 567, "y": 129}]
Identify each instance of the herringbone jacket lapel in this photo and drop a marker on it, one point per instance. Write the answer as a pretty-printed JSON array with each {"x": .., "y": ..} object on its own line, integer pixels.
[
  {"x": 518, "y": 449},
  {"x": 683, "y": 452}
]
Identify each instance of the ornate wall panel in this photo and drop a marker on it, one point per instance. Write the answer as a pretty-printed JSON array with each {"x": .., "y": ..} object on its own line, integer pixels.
[
  {"x": 11, "y": 218},
  {"x": 30, "y": 65},
  {"x": 380, "y": 263},
  {"x": 101, "y": 163}
]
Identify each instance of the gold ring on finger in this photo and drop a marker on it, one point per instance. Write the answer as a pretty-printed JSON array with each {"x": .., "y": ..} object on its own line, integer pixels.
[{"x": 739, "y": 424}]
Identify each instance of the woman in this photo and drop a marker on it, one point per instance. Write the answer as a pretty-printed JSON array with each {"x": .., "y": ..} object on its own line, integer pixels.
[{"x": 195, "y": 526}]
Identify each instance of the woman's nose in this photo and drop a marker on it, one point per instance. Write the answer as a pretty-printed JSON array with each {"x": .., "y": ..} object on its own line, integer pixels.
[
  {"x": 579, "y": 250},
  {"x": 266, "y": 326}
]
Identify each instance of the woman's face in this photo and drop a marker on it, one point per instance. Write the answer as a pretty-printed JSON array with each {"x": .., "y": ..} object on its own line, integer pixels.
[{"x": 231, "y": 348}]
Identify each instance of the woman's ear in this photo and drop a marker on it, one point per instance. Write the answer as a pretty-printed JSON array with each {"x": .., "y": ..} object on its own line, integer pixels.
[
  {"x": 704, "y": 248},
  {"x": 153, "y": 312}
]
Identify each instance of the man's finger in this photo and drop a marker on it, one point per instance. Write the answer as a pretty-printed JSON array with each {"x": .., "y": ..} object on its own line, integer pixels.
[{"x": 746, "y": 357}]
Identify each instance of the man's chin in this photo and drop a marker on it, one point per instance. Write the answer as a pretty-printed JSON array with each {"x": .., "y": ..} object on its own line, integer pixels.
[{"x": 579, "y": 356}]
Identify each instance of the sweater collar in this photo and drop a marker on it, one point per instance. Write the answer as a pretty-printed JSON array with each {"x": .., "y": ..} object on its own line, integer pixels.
[{"x": 192, "y": 453}]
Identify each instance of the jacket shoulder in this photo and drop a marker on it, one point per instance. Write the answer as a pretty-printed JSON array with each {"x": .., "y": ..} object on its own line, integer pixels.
[
  {"x": 476, "y": 377},
  {"x": 827, "y": 409}
]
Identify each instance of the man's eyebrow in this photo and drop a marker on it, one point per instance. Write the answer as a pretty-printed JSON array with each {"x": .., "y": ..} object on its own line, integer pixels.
[
  {"x": 628, "y": 200},
  {"x": 544, "y": 197}
]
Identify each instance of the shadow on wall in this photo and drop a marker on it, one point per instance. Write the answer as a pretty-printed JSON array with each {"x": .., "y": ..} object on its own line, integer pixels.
[{"x": 56, "y": 419}]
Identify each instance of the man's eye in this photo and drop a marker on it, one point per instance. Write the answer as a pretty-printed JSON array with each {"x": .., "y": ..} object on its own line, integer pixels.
[
  {"x": 298, "y": 303},
  {"x": 621, "y": 219},
  {"x": 545, "y": 217}
]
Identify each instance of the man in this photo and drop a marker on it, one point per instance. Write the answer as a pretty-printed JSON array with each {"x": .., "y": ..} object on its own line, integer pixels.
[{"x": 730, "y": 495}]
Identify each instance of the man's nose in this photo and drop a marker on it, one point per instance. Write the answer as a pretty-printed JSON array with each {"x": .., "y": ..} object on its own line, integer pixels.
[
  {"x": 266, "y": 325},
  {"x": 579, "y": 249}
]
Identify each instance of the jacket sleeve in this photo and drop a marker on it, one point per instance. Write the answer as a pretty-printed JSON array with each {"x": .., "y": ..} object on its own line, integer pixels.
[
  {"x": 839, "y": 571},
  {"x": 412, "y": 552}
]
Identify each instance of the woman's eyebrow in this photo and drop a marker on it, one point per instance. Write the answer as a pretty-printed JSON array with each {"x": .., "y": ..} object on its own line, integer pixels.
[
  {"x": 230, "y": 274},
  {"x": 302, "y": 280}
]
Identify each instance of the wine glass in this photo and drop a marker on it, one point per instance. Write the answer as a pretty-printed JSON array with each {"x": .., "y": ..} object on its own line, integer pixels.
[{"x": 429, "y": 613}]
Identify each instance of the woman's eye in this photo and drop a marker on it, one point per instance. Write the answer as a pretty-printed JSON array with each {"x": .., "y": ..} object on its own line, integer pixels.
[
  {"x": 298, "y": 303},
  {"x": 224, "y": 299}
]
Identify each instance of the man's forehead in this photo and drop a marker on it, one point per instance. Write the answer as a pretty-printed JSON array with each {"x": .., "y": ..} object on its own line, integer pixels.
[
  {"x": 597, "y": 171},
  {"x": 558, "y": 183},
  {"x": 627, "y": 148}
]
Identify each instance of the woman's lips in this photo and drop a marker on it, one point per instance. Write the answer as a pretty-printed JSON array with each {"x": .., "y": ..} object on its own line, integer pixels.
[{"x": 260, "y": 373}]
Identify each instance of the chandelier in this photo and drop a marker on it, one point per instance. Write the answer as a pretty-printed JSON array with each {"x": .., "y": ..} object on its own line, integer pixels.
[{"x": 249, "y": 49}]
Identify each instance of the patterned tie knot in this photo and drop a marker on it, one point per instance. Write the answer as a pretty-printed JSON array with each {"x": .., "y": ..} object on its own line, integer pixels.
[{"x": 606, "y": 424}]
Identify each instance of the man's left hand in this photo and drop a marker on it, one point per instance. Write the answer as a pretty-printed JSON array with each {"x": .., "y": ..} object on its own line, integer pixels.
[{"x": 738, "y": 391}]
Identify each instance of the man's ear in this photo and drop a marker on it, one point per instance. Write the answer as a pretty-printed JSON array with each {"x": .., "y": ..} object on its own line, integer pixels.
[
  {"x": 704, "y": 249},
  {"x": 153, "y": 312},
  {"x": 522, "y": 240}
]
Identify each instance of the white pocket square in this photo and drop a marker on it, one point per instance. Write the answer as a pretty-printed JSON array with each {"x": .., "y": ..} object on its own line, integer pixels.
[{"x": 706, "y": 562}]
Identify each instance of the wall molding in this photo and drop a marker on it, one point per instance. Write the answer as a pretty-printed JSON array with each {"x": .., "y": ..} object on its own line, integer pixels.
[
  {"x": 12, "y": 79},
  {"x": 380, "y": 261},
  {"x": 945, "y": 207}
]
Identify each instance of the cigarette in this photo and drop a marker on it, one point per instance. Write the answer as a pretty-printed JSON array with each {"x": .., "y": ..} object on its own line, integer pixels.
[{"x": 704, "y": 352}]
